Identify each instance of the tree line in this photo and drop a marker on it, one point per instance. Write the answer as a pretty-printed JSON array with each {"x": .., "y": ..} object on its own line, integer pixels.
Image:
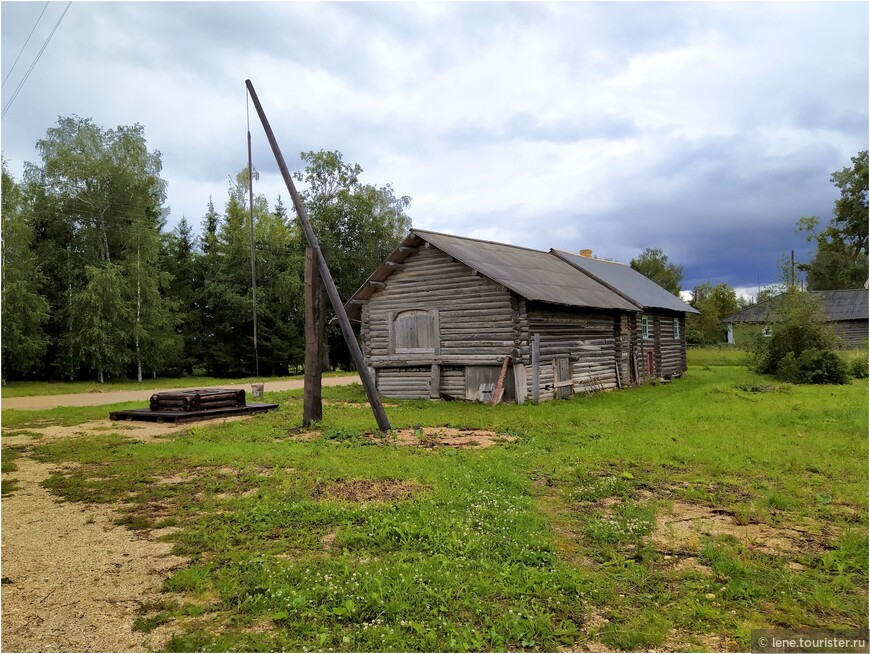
[{"x": 95, "y": 286}]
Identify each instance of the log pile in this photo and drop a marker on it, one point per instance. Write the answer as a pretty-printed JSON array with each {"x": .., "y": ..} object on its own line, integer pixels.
[{"x": 197, "y": 400}]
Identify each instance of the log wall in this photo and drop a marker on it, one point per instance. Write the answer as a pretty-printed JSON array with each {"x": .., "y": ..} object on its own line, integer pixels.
[
  {"x": 477, "y": 322},
  {"x": 590, "y": 340},
  {"x": 476, "y": 325},
  {"x": 669, "y": 354}
]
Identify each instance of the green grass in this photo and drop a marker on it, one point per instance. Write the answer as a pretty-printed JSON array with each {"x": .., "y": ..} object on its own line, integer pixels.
[
  {"x": 7, "y": 465},
  {"x": 19, "y": 419},
  {"x": 547, "y": 542},
  {"x": 716, "y": 355},
  {"x": 31, "y": 388}
]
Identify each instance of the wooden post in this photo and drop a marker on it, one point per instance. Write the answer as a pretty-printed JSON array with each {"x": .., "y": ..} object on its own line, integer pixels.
[
  {"x": 334, "y": 299},
  {"x": 312, "y": 409},
  {"x": 536, "y": 368}
]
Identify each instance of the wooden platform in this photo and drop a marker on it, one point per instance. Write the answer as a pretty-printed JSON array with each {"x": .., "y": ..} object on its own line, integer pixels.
[{"x": 177, "y": 416}]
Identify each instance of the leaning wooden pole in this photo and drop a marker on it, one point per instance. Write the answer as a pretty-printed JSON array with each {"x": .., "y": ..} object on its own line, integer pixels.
[{"x": 325, "y": 276}]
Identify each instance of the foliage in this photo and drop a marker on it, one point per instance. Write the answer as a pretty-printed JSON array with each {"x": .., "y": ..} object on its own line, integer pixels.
[
  {"x": 358, "y": 225},
  {"x": 800, "y": 347},
  {"x": 654, "y": 264},
  {"x": 841, "y": 257},
  {"x": 25, "y": 310},
  {"x": 714, "y": 303},
  {"x": 99, "y": 322},
  {"x": 813, "y": 366},
  {"x": 859, "y": 366},
  {"x": 95, "y": 204},
  {"x": 93, "y": 285}
]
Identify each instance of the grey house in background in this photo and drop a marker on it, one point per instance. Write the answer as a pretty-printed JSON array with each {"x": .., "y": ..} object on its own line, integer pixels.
[
  {"x": 846, "y": 312},
  {"x": 439, "y": 317}
]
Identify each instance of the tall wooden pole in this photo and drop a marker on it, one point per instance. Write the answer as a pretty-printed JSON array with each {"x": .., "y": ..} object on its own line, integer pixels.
[
  {"x": 312, "y": 409},
  {"x": 253, "y": 257},
  {"x": 364, "y": 372}
]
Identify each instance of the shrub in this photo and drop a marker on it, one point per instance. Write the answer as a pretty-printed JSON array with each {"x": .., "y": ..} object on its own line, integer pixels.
[
  {"x": 814, "y": 366},
  {"x": 801, "y": 348},
  {"x": 858, "y": 367}
]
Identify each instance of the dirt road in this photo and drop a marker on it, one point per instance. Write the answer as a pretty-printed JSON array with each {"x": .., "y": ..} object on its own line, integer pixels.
[{"x": 39, "y": 402}]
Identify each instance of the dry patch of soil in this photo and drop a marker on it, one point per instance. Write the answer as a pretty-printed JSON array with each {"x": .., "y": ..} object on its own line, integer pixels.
[
  {"x": 448, "y": 437},
  {"x": 368, "y": 490},
  {"x": 146, "y": 432},
  {"x": 429, "y": 437},
  {"x": 682, "y": 528},
  {"x": 73, "y": 580}
]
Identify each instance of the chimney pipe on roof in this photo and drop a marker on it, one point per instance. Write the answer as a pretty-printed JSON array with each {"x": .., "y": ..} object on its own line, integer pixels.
[{"x": 586, "y": 253}]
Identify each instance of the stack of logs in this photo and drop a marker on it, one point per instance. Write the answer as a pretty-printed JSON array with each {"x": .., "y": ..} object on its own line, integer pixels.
[{"x": 197, "y": 400}]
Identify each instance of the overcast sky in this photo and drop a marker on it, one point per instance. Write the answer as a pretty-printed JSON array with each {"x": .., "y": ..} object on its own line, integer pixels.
[{"x": 706, "y": 130}]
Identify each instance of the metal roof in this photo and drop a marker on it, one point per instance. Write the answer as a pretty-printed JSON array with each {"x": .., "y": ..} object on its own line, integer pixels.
[
  {"x": 531, "y": 274},
  {"x": 626, "y": 281},
  {"x": 846, "y": 304}
]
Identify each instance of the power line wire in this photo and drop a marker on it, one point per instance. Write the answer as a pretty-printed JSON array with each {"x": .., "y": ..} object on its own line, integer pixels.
[
  {"x": 20, "y": 52},
  {"x": 38, "y": 55}
]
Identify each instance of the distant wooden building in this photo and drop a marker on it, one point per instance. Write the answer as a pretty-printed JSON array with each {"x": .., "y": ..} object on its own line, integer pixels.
[
  {"x": 846, "y": 312},
  {"x": 441, "y": 314},
  {"x": 658, "y": 333}
]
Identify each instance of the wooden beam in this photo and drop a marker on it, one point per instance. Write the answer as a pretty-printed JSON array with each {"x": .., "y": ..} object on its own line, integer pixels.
[
  {"x": 395, "y": 266},
  {"x": 312, "y": 406},
  {"x": 435, "y": 382},
  {"x": 499, "y": 385},
  {"x": 323, "y": 269},
  {"x": 377, "y": 284},
  {"x": 536, "y": 368}
]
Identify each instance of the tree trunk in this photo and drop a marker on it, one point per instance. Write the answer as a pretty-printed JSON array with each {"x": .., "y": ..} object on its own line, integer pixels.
[{"x": 138, "y": 312}]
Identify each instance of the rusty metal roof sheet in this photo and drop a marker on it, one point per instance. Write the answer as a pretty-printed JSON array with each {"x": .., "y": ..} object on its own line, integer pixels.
[
  {"x": 846, "y": 304},
  {"x": 626, "y": 281}
]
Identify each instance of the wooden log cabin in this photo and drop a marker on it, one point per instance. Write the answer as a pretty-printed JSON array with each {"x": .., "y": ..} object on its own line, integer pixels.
[
  {"x": 658, "y": 333},
  {"x": 440, "y": 317}
]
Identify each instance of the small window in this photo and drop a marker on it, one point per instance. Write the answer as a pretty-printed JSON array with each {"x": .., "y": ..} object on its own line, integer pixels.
[
  {"x": 415, "y": 331},
  {"x": 766, "y": 332},
  {"x": 676, "y": 329},
  {"x": 644, "y": 326}
]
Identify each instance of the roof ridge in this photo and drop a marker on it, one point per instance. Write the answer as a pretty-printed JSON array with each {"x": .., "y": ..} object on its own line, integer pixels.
[
  {"x": 577, "y": 254},
  {"x": 478, "y": 240}
]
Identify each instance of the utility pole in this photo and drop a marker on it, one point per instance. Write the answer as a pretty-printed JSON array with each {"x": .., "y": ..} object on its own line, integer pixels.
[
  {"x": 346, "y": 329},
  {"x": 312, "y": 409}
]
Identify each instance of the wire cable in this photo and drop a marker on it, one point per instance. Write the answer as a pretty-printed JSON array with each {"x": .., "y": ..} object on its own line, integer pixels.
[
  {"x": 38, "y": 55},
  {"x": 20, "y": 52}
]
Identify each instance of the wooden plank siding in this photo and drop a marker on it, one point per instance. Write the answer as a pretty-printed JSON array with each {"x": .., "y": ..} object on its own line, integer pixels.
[{"x": 852, "y": 332}]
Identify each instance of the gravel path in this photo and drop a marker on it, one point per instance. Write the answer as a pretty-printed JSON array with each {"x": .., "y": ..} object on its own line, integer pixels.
[
  {"x": 39, "y": 402},
  {"x": 73, "y": 581}
]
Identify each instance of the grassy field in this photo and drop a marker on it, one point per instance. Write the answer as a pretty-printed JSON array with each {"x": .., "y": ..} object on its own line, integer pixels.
[
  {"x": 673, "y": 516},
  {"x": 31, "y": 388}
]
